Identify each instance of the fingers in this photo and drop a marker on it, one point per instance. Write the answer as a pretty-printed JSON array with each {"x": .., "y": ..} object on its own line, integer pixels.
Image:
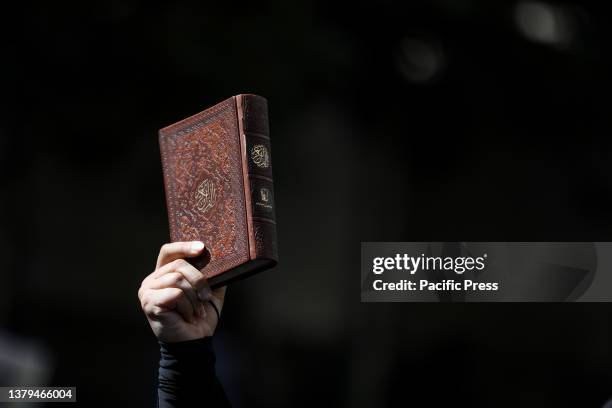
[
  {"x": 176, "y": 285},
  {"x": 176, "y": 250},
  {"x": 155, "y": 302},
  {"x": 177, "y": 280},
  {"x": 188, "y": 272}
]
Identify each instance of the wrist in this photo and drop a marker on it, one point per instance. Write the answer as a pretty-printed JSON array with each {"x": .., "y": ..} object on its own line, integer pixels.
[{"x": 187, "y": 353}]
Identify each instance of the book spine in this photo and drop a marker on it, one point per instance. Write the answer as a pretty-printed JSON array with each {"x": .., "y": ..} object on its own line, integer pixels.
[{"x": 255, "y": 127}]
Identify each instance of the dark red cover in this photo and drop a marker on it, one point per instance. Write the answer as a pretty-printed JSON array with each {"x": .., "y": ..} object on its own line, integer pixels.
[{"x": 219, "y": 187}]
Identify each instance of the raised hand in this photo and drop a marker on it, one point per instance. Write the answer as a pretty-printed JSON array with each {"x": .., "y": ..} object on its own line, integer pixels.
[{"x": 176, "y": 297}]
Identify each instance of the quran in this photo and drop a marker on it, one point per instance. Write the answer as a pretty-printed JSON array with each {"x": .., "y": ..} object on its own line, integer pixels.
[{"x": 217, "y": 172}]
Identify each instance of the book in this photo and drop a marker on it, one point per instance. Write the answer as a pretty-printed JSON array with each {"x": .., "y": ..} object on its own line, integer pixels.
[{"x": 219, "y": 188}]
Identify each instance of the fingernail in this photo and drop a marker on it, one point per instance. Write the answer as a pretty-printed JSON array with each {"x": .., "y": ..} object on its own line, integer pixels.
[
  {"x": 204, "y": 294},
  {"x": 197, "y": 246}
]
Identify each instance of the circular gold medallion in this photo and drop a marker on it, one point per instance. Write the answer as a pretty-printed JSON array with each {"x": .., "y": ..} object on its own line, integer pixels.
[{"x": 260, "y": 156}]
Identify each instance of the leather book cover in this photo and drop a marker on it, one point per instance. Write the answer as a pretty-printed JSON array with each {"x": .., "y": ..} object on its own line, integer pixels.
[{"x": 219, "y": 188}]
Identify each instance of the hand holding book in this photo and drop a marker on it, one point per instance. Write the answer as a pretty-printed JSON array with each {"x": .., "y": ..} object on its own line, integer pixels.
[{"x": 176, "y": 297}]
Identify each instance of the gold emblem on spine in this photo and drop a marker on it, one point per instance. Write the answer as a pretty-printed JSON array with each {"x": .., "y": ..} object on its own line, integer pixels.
[
  {"x": 265, "y": 199},
  {"x": 260, "y": 156},
  {"x": 205, "y": 195},
  {"x": 264, "y": 193}
]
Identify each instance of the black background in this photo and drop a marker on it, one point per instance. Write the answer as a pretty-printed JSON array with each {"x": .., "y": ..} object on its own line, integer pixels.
[{"x": 411, "y": 121}]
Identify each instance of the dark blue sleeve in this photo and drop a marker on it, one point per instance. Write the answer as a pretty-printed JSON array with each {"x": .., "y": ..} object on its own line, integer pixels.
[{"x": 187, "y": 376}]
